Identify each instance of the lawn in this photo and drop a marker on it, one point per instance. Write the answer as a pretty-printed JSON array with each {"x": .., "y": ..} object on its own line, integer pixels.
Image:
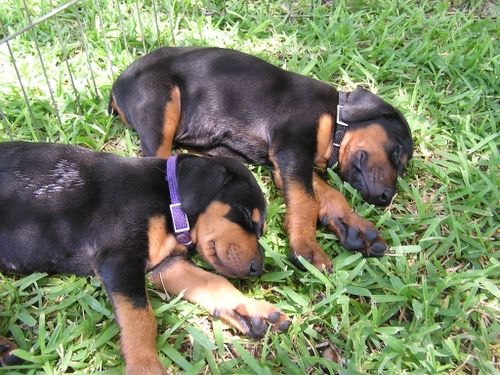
[{"x": 431, "y": 306}]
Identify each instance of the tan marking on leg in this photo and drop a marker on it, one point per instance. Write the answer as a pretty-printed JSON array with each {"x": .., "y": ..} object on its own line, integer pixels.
[
  {"x": 160, "y": 243},
  {"x": 204, "y": 288},
  {"x": 171, "y": 117},
  {"x": 336, "y": 214},
  {"x": 138, "y": 337},
  {"x": 215, "y": 294},
  {"x": 277, "y": 178},
  {"x": 323, "y": 140},
  {"x": 302, "y": 213},
  {"x": 115, "y": 106},
  {"x": 276, "y": 171},
  {"x": 301, "y": 217},
  {"x": 331, "y": 202},
  {"x": 300, "y": 221}
]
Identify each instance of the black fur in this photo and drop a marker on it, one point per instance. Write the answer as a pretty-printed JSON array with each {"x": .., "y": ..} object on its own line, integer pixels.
[
  {"x": 238, "y": 105},
  {"x": 66, "y": 209}
]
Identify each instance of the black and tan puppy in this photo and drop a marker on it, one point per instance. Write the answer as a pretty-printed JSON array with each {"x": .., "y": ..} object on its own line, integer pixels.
[
  {"x": 65, "y": 209},
  {"x": 223, "y": 102}
]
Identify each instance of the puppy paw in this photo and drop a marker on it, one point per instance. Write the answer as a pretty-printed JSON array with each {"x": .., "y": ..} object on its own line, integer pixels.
[
  {"x": 252, "y": 317},
  {"x": 6, "y": 356},
  {"x": 356, "y": 234},
  {"x": 312, "y": 252}
]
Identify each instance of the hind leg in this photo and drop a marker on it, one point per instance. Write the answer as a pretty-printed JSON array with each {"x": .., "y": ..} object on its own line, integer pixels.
[
  {"x": 124, "y": 280},
  {"x": 170, "y": 121},
  {"x": 154, "y": 117}
]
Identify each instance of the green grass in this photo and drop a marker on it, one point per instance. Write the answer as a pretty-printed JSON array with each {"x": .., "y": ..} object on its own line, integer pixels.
[{"x": 431, "y": 306}]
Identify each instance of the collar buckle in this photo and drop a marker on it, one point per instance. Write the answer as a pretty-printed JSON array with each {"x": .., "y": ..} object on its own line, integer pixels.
[
  {"x": 339, "y": 121},
  {"x": 180, "y": 219}
]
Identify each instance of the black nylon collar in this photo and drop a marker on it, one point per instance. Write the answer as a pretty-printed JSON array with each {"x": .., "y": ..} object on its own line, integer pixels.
[{"x": 338, "y": 132}]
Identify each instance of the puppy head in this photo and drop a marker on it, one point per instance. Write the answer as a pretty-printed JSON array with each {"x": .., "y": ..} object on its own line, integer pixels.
[
  {"x": 226, "y": 209},
  {"x": 376, "y": 147}
]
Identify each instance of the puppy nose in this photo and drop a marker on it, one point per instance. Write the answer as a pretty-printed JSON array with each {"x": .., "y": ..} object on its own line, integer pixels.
[
  {"x": 256, "y": 267},
  {"x": 386, "y": 196}
]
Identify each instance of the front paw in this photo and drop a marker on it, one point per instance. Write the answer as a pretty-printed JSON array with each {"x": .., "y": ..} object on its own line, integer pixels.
[
  {"x": 6, "y": 356},
  {"x": 252, "y": 317},
  {"x": 356, "y": 234},
  {"x": 312, "y": 252}
]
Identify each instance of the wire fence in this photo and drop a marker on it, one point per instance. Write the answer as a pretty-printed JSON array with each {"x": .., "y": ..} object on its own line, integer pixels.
[
  {"x": 65, "y": 66},
  {"x": 58, "y": 38}
]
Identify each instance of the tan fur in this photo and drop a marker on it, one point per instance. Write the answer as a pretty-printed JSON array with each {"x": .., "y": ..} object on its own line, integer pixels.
[
  {"x": 160, "y": 243},
  {"x": 115, "y": 106},
  {"x": 302, "y": 212},
  {"x": 333, "y": 204},
  {"x": 171, "y": 118},
  {"x": 301, "y": 217},
  {"x": 276, "y": 171},
  {"x": 323, "y": 140},
  {"x": 256, "y": 215},
  {"x": 138, "y": 337},
  {"x": 371, "y": 139},
  {"x": 204, "y": 288},
  {"x": 235, "y": 248},
  {"x": 212, "y": 292}
]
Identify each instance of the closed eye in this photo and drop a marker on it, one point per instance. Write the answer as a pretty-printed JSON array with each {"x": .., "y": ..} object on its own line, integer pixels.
[
  {"x": 398, "y": 158},
  {"x": 396, "y": 154},
  {"x": 242, "y": 215},
  {"x": 246, "y": 214}
]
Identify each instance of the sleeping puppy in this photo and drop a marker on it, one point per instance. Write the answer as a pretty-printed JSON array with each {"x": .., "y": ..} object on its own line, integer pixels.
[
  {"x": 223, "y": 102},
  {"x": 66, "y": 209}
]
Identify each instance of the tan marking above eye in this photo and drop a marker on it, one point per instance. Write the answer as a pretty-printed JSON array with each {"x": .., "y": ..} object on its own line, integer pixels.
[
  {"x": 323, "y": 140},
  {"x": 171, "y": 118},
  {"x": 256, "y": 216},
  {"x": 216, "y": 210},
  {"x": 160, "y": 243}
]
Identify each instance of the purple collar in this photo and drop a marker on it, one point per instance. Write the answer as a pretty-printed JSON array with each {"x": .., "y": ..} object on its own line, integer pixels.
[
  {"x": 338, "y": 132},
  {"x": 179, "y": 218}
]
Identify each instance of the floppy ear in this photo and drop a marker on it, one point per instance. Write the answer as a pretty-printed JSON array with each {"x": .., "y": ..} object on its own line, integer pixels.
[
  {"x": 199, "y": 179},
  {"x": 362, "y": 105}
]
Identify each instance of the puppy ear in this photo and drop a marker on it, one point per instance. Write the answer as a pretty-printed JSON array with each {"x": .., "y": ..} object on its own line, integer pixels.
[
  {"x": 199, "y": 179},
  {"x": 362, "y": 105}
]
